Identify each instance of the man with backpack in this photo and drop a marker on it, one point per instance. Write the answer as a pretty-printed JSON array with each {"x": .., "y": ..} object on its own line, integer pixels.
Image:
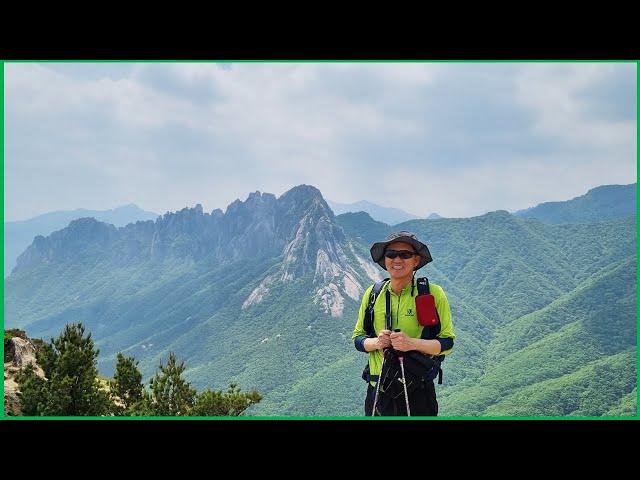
[{"x": 405, "y": 325}]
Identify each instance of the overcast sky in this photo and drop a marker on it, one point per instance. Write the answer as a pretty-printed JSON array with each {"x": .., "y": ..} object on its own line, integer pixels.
[{"x": 459, "y": 139}]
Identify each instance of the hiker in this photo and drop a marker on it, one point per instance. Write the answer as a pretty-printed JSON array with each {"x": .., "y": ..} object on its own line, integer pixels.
[{"x": 414, "y": 334}]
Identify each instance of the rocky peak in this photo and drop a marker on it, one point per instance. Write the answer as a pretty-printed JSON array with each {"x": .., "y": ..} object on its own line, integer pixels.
[
  {"x": 87, "y": 229},
  {"x": 303, "y": 198},
  {"x": 315, "y": 232},
  {"x": 185, "y": 233},
  {"x": 313, "y": 247},
  {"x": 301, "y": 193},
  {"x": 257, "y": 198},
  {"x": 181, "y": 216},
  {"x": 235, "y": 207},
  {"x": 257, "y": 204}
]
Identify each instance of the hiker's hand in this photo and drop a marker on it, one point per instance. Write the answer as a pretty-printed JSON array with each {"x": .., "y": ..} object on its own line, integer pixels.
[
  {"x": 383, "y": 339},
  {"x": 401, "y": 341}
]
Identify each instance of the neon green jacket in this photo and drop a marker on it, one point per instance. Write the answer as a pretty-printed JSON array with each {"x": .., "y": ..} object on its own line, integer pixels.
[{"x": 403, "y": 316}]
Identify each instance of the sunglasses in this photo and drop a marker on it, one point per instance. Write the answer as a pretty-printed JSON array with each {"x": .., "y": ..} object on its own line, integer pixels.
[{"x": 403, "y": 254}]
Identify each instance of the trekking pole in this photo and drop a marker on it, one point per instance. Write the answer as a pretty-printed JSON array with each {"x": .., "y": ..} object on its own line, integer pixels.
[
  {"x": 404, "y": 380},
  {"x": 387, "y": 323},
  {"x": 404, "y": 384},
  {"x": 375, "y": 398}
]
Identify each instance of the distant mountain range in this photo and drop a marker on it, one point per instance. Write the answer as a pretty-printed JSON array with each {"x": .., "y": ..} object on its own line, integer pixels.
[
  {"x": 390, "y": 216},
  {"x": 600, "y": 203},
  {"x": 266, "y": 295},
  {"x": 19, "y": 235}
]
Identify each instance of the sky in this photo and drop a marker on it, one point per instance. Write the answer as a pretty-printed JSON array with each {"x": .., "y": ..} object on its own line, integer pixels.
[{"x": 459, "y": 139}]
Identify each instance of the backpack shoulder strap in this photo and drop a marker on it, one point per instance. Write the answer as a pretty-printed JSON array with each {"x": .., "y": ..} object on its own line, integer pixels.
[
  {"x": 368, "y": 314},
  {"x": 431, "y": 333},
  {"x": 423, "y": 286}
]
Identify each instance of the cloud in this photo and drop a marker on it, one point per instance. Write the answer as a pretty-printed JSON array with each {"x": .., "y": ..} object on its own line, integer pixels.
[
  {"x": 581, "y": 106},
  {"x": 460, "y": 139}
]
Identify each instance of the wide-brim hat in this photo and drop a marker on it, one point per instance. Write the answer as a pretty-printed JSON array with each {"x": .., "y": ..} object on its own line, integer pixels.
[{"x": 378, "y": 248}]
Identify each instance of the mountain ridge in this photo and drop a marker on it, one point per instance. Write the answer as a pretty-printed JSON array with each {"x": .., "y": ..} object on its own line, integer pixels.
[
  {"x": 388, "y": 215},
  {"x": 599, "y": 203},
  {"x": 266, "y": 295},
  {"x": 18, "y": 235}
]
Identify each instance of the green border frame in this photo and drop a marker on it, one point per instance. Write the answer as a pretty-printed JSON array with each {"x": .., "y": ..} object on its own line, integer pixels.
[{"x": 294, "y": 418}]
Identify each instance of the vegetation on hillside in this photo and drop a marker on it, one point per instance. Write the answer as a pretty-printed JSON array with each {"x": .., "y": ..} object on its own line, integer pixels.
[{"x": 72, "y": 386}]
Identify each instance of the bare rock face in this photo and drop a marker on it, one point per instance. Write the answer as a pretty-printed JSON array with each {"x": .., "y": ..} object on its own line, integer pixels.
[
  {"x": 19, "y": 352},
  {"x": 24, "y": 353},
  {"x": 312, "y": 244},
  {"x": 11, "y": 401}
]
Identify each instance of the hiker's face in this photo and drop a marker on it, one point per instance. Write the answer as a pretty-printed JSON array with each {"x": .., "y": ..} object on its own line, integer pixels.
[{"x": 398, "y": 267}]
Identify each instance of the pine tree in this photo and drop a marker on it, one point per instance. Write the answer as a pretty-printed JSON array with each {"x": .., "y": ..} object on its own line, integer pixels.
[
  {"x": 233, "y": 402},
  {"x": 72, "y": 387},
  {"x": 171, "y": 395},
  {"x": 126, "y": 386},
  {"x": 33, "y": 392}
]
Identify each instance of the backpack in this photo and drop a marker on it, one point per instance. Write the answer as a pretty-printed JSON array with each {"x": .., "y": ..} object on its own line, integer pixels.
[
  {"x": 418, "y": 361},
  {"x": 391, "y": 384}
]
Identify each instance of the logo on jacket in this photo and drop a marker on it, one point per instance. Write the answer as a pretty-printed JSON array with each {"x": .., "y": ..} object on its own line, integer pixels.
[{"x": 410, "y": 312}]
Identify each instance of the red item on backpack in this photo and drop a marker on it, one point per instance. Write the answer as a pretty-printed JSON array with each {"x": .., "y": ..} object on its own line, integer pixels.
[{"x": 426, "y": 310}]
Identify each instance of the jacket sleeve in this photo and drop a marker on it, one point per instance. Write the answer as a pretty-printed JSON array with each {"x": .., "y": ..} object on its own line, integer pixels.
[
  {"x": 446, "y": 323},
  {"x": 359, "y": 333}
]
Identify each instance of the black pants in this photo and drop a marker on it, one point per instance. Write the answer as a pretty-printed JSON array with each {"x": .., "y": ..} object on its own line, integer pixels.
[{"x": 422, "y": 402}]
